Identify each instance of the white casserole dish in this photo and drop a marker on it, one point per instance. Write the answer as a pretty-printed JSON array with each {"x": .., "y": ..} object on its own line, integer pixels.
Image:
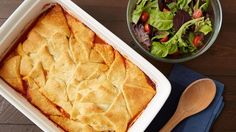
[{"x": 22, "y": 18}]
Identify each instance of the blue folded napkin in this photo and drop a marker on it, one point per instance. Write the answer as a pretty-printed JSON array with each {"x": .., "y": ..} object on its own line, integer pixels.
[{"x": 180, "y": 77}]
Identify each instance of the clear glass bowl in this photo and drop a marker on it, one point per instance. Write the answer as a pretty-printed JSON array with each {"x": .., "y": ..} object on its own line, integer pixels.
[{"x": 216, "y": 17}]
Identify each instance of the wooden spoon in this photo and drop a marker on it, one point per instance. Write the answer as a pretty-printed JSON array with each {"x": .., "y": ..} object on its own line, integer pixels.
[{"x": 195, "y": 98}]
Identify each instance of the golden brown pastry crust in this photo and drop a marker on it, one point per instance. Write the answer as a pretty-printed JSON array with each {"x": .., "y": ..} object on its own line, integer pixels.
[
  {"x": 79, "y": 84},
  {"x": 10, "y": 72}
]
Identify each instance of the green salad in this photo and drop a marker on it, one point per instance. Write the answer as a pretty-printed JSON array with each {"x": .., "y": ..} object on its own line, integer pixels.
[{"x": 171, "y": 27}]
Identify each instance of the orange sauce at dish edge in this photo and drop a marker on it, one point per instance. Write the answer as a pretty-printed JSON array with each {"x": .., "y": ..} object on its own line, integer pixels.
[{"x": 97, "y": 39}]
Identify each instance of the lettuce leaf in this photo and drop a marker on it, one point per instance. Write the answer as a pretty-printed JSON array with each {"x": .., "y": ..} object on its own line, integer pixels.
[
  {"x": 171, "y": 46},
  {"x": 196, "y": 6},
  {"x": 138, "y": 11},
  {"x": 173, "y": 7},
  {"x": 184, "y": 4},
  {"x": 160, "y": 34},
  {"x": 159, "y": 49},
  {"x": 160, "y": 20},
  {"x": 180, "y": 18},
  {"x": 177, "y": 38},
  {"x": 204, "y": 26},
  {"x": 143, "y": 5},
  {"x": 205, "y": 5},
  {"x": 162, "y": 50},
  {"x": 191, "y": 47},
  {"x": 191, "y": 37},
  {"x": 151, "y": 4}
]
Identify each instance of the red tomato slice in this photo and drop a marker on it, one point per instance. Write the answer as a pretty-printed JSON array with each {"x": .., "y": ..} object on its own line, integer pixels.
[
  {"x": 165, "y": 39},
  {"x": 197, "y": 13},
  {"x": 147, "y": 28},
  {"x": 197, "y": 40},
  {"x": 144, "y": 17}
]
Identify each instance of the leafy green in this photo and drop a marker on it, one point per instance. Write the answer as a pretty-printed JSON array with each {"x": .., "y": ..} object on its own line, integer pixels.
[
  {"x": 205, "y": 5},
  {"x": 183, "y": 49},
  {"x": 184, "y": 4},
  {"x": 160, "y": 20},
  {"x": 151, "y": 4},
  {"x": 177, "y": 38},
  {"x": 172, "y": 49},
  {"x": 162, "y": 50},
  {"x": 191, "y": 47},
  {"x": 180, "y": 18},
  {"x": 190, "y": 37},
  {"x": 161, "y": 34},
  {"x": 196, "y": 6},
  {"x": 173, "y": 7},
  {"x": 138, "y": 11},
  {"x": 159, "y": 49},
  {"x": 204, "y": 26},
  {"x": 163, "y": 22},
  {"x": 205, "y": 29},
  {"x": 171, "y": 46}
]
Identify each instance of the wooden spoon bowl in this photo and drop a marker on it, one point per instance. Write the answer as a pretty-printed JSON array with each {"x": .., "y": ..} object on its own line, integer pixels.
[{"x": 196, "y": 97}]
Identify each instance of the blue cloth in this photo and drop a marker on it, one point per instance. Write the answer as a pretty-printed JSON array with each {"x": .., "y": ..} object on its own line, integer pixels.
[{"x": 180, "y": 77}]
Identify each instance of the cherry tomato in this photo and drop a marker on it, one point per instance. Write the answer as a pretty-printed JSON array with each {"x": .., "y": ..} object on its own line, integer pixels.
[
  {"x": 147, "y": 28},
  {"x": 144, "y": 16},
  {"x": 165, "y": 39},
  {"x": 197, "y": 40},
  {"x": 197, "y": 13}
]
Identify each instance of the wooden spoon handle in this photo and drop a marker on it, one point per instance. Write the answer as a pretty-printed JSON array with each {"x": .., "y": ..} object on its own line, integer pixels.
[{"x": 175, "y": 119}]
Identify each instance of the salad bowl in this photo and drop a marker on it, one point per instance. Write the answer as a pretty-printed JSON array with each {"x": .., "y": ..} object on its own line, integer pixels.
[{"x": 215, "y": 15}]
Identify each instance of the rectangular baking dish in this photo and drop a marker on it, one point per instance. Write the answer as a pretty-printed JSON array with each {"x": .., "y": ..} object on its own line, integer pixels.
[{"x": 22, "y": 18}]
